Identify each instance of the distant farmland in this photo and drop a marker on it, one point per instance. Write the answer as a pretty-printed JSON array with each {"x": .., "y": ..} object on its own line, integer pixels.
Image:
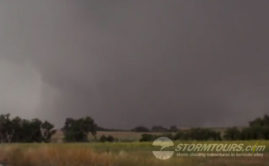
[
  {"x": 119, "y": 135},
  {"x": 123, "y": 135}
]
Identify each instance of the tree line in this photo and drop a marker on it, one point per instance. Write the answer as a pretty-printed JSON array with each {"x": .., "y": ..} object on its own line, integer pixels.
[
  {"x": 190, "y": 134},
  {"x": 16, "y": 129},
  {"x": 76, "y": 130},
  {"x": 23, "y": 130},
  {"x": 155, "y": 129},
  {"x": 257, "y": 129}
]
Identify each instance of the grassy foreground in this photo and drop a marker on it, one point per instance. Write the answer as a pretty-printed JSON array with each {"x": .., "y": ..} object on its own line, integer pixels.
[{"x": 111, "y": 154}]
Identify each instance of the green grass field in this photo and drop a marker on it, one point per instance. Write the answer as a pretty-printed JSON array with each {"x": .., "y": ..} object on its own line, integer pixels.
[{"x": 114, "y": 154}]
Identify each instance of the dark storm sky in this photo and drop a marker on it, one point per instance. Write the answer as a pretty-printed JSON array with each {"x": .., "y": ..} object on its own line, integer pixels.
[{"x": 140, "y": 62}]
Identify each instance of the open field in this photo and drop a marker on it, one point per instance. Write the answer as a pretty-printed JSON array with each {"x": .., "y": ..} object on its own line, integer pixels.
[
  {"x": 123, "y": 135},
  {"x": 113, "y": 154},
  {"x": 119, "y": 135}
]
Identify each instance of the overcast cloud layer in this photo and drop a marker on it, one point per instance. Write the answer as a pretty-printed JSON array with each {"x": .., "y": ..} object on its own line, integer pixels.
[{"x": 140, "y": 62}]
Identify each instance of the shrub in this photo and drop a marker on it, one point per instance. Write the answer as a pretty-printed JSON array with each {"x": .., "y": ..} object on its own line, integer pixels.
[
  {"x": 109, "y": 138},
  {"x": 147, "y": 137}
]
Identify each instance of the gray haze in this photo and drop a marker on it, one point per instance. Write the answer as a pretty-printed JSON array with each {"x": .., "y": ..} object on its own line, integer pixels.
[{"x": 140, "y": 62}]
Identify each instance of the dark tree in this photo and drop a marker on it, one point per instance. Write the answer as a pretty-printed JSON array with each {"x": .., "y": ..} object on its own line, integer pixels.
[
  {"x": 260, "y": 122},
  {"x": 5, "y": 128},
  {"x": 147, "y": 137},
  {"x": 109, "y": 138},
  {"x": 232, "y": 134},
  {"x": 76, "y": 130},
  {"x": 180, "y": 135},
  {"x": 258, "y": 129},
  {"x": 198, "y": 134},
  {"x": 47, "y": 131},
  {"x": 22, "y": 130}
]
